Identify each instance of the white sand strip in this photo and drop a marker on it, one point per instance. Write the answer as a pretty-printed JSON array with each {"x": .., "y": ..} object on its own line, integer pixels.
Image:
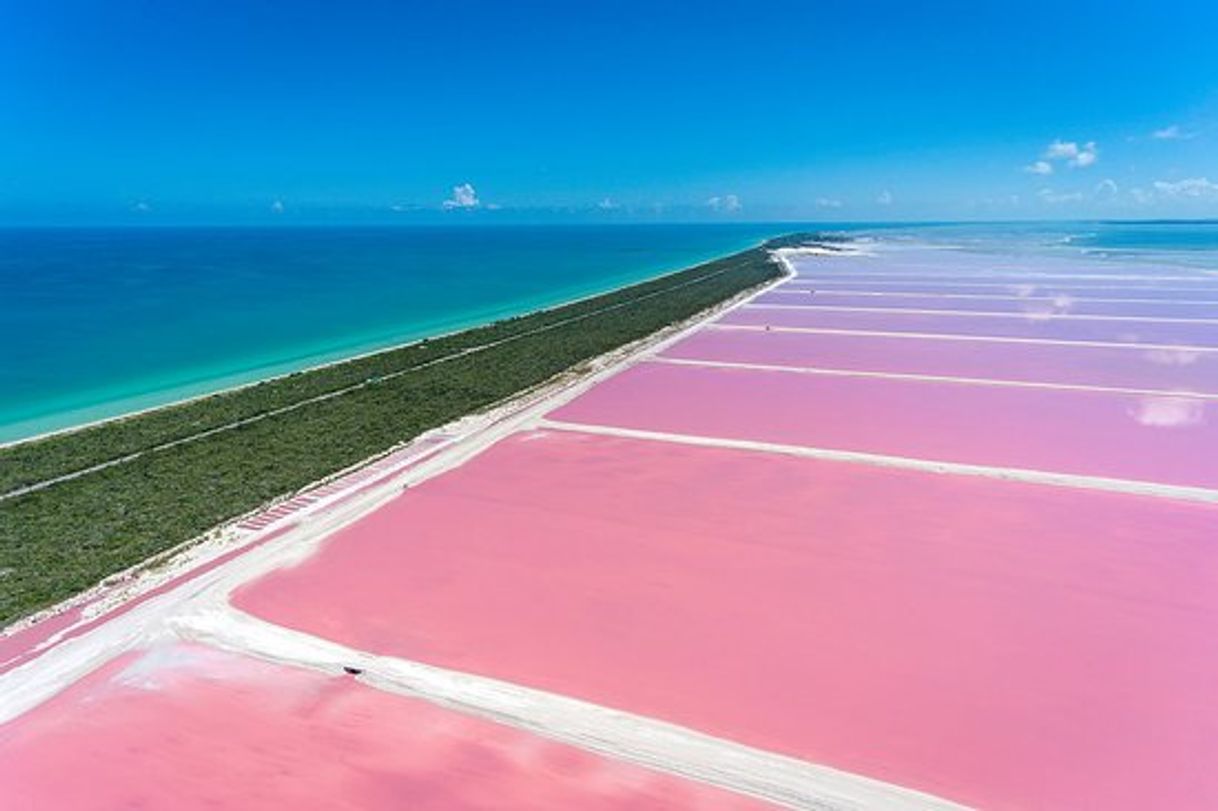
[
  {"x": 1172, "y": 491},
  {"x": 645, "y": 741},
  {"x": 965, "y": 381},
  {"x": 942, "y": 336}
]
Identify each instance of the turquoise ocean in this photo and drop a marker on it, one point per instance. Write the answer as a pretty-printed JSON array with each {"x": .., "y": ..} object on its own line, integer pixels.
[{"x": 100, "y": 322}]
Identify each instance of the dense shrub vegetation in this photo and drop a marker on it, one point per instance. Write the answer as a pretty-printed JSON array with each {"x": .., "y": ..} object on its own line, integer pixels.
[
  {"x": 802, "y": 238},
  {"x": 57, "y": 541}
]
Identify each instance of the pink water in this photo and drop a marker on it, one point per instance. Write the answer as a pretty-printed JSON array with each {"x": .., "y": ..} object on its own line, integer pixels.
[
  {"x": 193, "y": 728},
  {"x": 1082, "y": 364},
  {"x": 1115, "y": 289},
  {"x": 1008, "y": 646},
  {"x": 18, "y": 647},
  {"x": 1061, "y": 305},
  {"x": 1165, "y": 439},
  {"x": 904, "y": 264},
  {"x": 1011, "y": 326}
]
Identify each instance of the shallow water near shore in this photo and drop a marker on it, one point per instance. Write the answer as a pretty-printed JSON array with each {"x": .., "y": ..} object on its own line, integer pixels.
[{"x": 101, "y": 322}]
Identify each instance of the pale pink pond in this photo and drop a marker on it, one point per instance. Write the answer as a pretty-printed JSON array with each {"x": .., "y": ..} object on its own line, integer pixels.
[
  {"x": 1121, "y": 367},
  {"x": 1007, "y": 646},
  {"x": 900, "y": 264},
  {"x": 186, "y": 728},
  {"x": 1018, "y": 278},
  {"x": 1006, "y": 326},
  {"x": 1159, "y": 438},
  {"x": 1107, "y": 290},
  {"x": 1039, "y": 305}
]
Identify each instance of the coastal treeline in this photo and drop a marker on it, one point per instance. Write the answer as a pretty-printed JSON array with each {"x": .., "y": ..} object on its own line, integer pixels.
[
  {"x": 802, "y": 239},
  {"x": 138, "y": 486}
]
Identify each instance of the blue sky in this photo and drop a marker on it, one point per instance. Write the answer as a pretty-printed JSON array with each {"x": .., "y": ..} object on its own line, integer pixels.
[{"x": 122, "y": 111}]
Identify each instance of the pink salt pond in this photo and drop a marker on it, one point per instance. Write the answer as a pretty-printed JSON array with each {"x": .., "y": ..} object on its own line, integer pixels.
[
  {"x": 1164, "y": 439},
  {"x": 186, "y": 727},
  {"x": 1054, "y": 328},
  {"x": 1166, "y": 370},
  {"x": 1003, "y": 645},
  {"x": 1117, "y": 289},
  {"x": 1030, "y": 306},
  {"x": 951, "y": 264}
]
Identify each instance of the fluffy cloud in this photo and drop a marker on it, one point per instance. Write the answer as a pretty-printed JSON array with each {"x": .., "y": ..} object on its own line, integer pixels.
[
  {"x": 728, "y": 202},
  {"x": 1171, "y": 133},
  {"x": 1039, "y": 168},
  {"x": 1196, "y": 188},
  {"x": 1072, "y": 153},
  {"x": 885, "y": 198},
  {"x": 828, "y": 202},
  {"x": 1086, "y": 157},
  {"x": 1059, "y": 150},
  {"x": 464, "y": 196}
]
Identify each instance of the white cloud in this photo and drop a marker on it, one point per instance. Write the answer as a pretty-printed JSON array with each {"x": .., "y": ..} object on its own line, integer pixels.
[
  {"x": 1055, "y": 198},
  {"x": 1172, "y": 133},
  {"x": 828, "y": 202},
  {"x": 885, "y": 198},
  {"x": 1074, "y": 155},
  {"x": 464, "y": 196},
  {"x": 1106, "y": 189},
  {"x": 728, "y": 202},
  {"x": 277, "y": 206},
  {"x": 1061, "y": 150},
  {"x": 1039, "y": 168},
  {"x": 607, "y": 205},
  {"x": 1196, "y": 188},
  {"x": 1086, "y": 156}
]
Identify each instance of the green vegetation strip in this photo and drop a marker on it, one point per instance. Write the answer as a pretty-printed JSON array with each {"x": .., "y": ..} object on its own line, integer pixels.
[{"x": 86, "y": 504}]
